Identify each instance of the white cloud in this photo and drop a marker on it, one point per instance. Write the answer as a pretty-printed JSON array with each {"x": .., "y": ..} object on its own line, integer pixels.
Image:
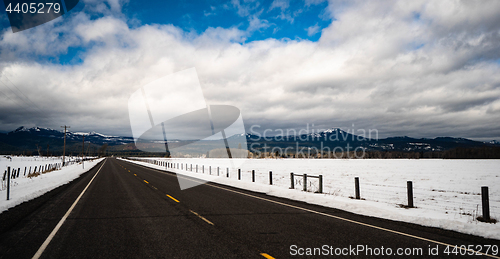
[
  {"x": 245, "y": 8},
  {"x": 312, "y": 30},
  {"x": 378, "y": 65},
  {"x": 256, "y": 24},
  {"x": 282, "y": 4}
]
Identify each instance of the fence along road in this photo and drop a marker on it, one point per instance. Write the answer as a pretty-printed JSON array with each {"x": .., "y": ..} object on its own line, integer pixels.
[{"x": 132, "y": 211}]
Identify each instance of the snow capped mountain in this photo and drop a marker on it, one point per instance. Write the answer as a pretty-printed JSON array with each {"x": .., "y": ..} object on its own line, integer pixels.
[
  {"x": 93, "y": 137},
  {"x": 33, "y": 129},
  {"x": 334, "y": 133}
]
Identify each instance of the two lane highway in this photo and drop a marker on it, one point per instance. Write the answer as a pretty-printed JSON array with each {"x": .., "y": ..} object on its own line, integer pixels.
[{"x": 130, "y": 211}]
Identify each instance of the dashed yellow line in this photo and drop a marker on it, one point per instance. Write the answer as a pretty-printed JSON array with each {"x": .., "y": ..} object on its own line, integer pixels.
[
  {"x": 266, "y": 256},
  {"x": 129, "y": 171},
  {"x": 135, "y": 174},
  {"x": 172, "y": 198},
  {"x": 146, "y": 181},
  {"x": 155, "y": 188},
  {"x": 201, "y": 217},
  {"x": 328, "y": 215}
]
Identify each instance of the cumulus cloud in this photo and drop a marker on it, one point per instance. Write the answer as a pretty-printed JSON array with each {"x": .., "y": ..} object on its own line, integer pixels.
[{"x": 423, "y": 69}]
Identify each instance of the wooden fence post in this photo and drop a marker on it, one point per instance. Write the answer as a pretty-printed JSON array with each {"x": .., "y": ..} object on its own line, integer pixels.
[
  {"x": 253, "y": 175},
  {"x": 270, "y": 177},
  {"x": 356, "y": 186},
  {"x": 486, "y": 203},
  {"x": 305, "y": 183},
  {"x": 409, "y": 185},
  {"x": 8, "y": 182},
  {"x": 292, "y": 182},
  {"x": 320, "y": 184}
]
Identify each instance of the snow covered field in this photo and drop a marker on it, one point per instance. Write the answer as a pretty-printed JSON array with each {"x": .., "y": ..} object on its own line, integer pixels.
[
  {"x": 447, "y": 193},
  {"x": 25, "y": 162},
  {"x": 24, "y": 188}
]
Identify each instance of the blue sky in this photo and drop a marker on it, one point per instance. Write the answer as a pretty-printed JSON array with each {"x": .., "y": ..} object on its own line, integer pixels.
[{"x": 282, "y": 19}]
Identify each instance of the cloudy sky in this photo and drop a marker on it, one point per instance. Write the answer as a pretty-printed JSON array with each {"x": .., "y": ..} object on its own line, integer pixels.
[{"x": 415, "y": 68}]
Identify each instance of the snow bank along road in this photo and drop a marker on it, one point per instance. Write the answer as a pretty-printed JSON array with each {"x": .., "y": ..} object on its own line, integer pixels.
[{"x": 124, "y": 210}]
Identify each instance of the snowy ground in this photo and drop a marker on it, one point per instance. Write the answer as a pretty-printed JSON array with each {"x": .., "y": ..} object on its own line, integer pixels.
[
  {"x": 24, "y": 188},
  {"x": 447, "y": 193},
  {"x": 29, "y": 163}
]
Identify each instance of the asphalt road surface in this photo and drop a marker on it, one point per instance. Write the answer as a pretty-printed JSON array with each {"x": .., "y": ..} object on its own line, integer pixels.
[{"x": 123, "y": 210}]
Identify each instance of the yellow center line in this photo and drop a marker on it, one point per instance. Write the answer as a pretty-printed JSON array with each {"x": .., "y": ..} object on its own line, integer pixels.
[
  {"x": 146, "y": 181},
  {"x": 172, "y": 198},
  {"x": 204, "y": 219},
  {"x": 325, "y": 214},
  {"x": 266, "y": 256},
  {"x": 135, "y": 174}
]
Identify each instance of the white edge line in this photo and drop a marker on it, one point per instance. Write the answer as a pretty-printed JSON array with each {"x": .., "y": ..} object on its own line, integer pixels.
[
  {"x": 58, "y": 226},
  {"x": 315, "y": 212}
]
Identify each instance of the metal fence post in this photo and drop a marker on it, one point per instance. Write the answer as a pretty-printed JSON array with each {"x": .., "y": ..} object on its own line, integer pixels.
[
  {"x": 227, "y": 172},
  {"x": 305, "y": 183},
  {"x": 239, "y": 174},
  {"x": 486, "y": 203},
  {"x": 210, "y": 170},
  {"x": 292, "y": 182},
  {"x": 270, "y": 177},
  {"x": 253, "y": 175},
  {"x": 320, "y": 184},
  {"x": 217, "y": 171},
  {"x": 356, "y": 186},
  {"x": 409, "y": 185}
]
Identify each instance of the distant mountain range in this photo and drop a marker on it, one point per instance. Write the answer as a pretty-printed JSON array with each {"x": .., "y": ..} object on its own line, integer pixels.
[
  {"x": 27, "y": 139},
  {"x": 337, "y": 137},
  {"x": 30, "y": 139}
]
